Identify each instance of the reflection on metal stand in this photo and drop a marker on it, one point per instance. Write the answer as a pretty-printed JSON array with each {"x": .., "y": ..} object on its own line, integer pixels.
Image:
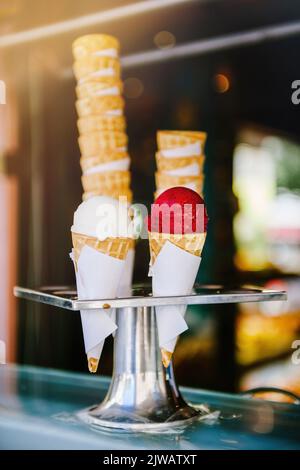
[{"x": 142, "y": 393}]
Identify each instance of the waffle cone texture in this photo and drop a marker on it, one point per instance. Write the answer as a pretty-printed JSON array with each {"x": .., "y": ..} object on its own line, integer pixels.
[
  {"x": 96, "y": 142},
  {"x": 93, "y": 43},
  {"x": 107, "y": 191},
  {"x": 115, "y": 247},
  {"x": 102, "y": 158},
  {"x": 174, "y": 139},
  {"x": 96, "y": 87},
  {"x": 192, "y": 243},
  {"x": 101, "y": 123},
  {"x": 112, "y": 180},
  {"x": 166, "y": 164},
  {"x": 98, "y": 122},
  {"x": 99, "y": 105}
]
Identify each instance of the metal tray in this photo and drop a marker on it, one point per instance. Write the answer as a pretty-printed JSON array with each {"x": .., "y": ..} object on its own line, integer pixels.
[{"x": 141, "y": 295}]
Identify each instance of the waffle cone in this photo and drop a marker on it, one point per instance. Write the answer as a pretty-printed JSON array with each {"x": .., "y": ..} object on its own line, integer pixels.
[
  {"x": 192, "y": 243},
  {"x": 115, "y": 247},
  {"x": 97, "y": 142},
  {"x": 97, "y": 87},
  {"x": 85, "y": 67},
  {"x": 91, "y": 43},
  {"x": 106, "y": 191},
  {"x": 166, "y": 357},
  {"x": 174, "y": 139},
  {"x": 166, "y": 164},
  {"x": 169, "y": 181},
  {"x": 110, "y": 180},
  {"x": 98, "y": 105},
  {"x": 93, "y": 364},
  {"x": 101, "y": 123},
  {"x": 195, "y": 187},
  {"x": 103, "y": 157}
]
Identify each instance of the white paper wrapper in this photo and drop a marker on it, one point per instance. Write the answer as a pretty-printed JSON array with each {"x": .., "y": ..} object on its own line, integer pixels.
[
  {"x": 125, "y": 285},
  {"x": 98, "y": 276},
  {"x": 173, "y": 273},
  {"x": 185, "y": 151},
  {"x": 189, "y": 170},
  {"x": 122, "y": 164}
]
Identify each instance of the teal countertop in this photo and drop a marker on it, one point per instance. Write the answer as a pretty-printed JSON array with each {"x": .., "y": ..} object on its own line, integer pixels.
[{"x": 38, "y": 411}]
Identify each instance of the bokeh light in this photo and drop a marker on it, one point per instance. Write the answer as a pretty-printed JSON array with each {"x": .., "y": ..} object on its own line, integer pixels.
[
  {"x": 133, "y": 88},
  {"x": 221, "y": 83},
  {"x": 164, "y": 40}
]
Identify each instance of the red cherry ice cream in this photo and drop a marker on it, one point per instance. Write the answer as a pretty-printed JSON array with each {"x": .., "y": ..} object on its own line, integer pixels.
[{"x": 178, "y": 210}]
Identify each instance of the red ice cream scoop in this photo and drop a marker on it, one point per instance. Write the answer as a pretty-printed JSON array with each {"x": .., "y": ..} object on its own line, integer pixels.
[{"x": 178, "y": 211}]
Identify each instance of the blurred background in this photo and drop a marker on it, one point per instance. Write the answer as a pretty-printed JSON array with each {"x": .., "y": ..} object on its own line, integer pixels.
[{"x": 222, "y": 66}]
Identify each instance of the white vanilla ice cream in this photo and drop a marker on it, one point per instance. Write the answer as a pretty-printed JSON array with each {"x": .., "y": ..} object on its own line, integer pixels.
[{"x": 102, "y": 217}]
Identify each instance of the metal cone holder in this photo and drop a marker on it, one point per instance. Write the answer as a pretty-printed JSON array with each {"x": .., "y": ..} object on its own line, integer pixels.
[{"x": 143, "y": 395}]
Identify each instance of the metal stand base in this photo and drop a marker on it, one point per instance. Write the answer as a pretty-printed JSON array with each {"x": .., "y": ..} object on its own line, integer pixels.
[{"x": 142, "y": 395}]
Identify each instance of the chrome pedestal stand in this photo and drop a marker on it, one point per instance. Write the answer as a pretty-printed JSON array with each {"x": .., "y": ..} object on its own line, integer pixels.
[{"x": 142, "y": 395}]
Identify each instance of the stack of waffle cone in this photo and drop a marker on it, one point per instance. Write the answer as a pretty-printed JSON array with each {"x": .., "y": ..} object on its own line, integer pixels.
[
  {"x": 101, "y": 121},
  {"x": 180, "y": 160}
]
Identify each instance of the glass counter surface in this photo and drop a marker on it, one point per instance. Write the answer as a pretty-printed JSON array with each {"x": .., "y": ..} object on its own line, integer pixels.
[{"x": 38, "y": 411}]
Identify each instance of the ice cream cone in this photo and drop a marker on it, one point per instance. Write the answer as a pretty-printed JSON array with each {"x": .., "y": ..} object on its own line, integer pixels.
[
  {"x": 99, "y": 105},
  {"x": 92, "y": 66},
  {"x": 96, "y": 87},
  {"x": 168, "y": 164},
  {"x": 93, "y": 43},
  {"x": 107, "y": 191},
  {"x": 99, "y": 122},
  {"x": 176, "y": 240},
  {"x": 104, "y": 157},
  {"x": 91, "y": 282},
  {"x": 174, "y": 139},
  {"x": 96, "y": 142},
  {"x": 165, "y": 181},
  {"x": 113, "y": 165},
  {"x": 110, "y": 180},
  {"x": 198, "y": 187},
  {"x": 190, "y": 243}
]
